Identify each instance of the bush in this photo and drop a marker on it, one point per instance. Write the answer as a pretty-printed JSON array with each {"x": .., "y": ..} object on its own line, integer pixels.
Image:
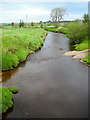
[
  {"x": 41, "y": 25},
  {"x": 87, "y": 59},
  {"x": 6, "y": 98},
  {"x": 32, "y": 24},
  {"x": 21, "y": 24},
  {"x": 52, "y": 29},
  {"x": 13, "y": 89},
  {"x": 6, "y": 63},
  {"x": 63, "y": 30},
  {"x": 9, "y": 61},
  {"x": 77, "y": 32},
  {"x": 83, "y": 45},
  {"x": 21, "y": 54}
]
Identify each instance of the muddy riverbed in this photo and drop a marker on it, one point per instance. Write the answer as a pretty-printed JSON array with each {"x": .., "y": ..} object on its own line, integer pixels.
[{"x": 50, "y": 85}]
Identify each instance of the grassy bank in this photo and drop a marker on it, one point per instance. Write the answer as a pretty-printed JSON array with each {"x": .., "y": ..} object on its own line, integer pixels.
[
  {"x": 77, "y": 32},
  {"x": 17, "y": 43},
  {"x": 6, "y": 98}
]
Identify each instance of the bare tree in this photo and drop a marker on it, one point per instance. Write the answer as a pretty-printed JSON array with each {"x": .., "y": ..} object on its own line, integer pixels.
[{"x": 57, "y": 15}]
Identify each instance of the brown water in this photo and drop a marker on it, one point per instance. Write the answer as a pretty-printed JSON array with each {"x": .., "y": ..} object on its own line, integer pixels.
[{"x": 50, "y": 85}]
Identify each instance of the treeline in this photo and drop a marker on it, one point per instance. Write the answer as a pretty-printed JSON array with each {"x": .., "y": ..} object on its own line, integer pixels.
[
  {"x": 42, "y": 24},
  {"x": 23, "y": 24}
]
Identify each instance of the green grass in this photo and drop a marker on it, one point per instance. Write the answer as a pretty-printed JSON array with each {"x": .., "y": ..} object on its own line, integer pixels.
[
  {"x": 52, "y": 29},
  {"x": 63, "y": 30},
  {"x": 87, "y": 59},
  {"x": 76, "y": 31},
  {"x": 17, "y": 43},
  {"x": 13, "y": 89},
  {"x": 6, "y": 98},
  {"x": 83, "y": 45}
]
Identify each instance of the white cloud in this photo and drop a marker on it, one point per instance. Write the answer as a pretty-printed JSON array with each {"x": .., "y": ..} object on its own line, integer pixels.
[
  {"x": 16, "y": 12},
  {"x": 28, "y": 11},
  {"x": 38, "y": 11},
  {"x": 73, "y": 16},
  {"x": 16, "y": 15}
]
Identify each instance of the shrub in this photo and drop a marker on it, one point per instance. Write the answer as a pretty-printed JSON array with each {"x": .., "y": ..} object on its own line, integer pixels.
[
  {"x": 6, "y": 98},
  {"x": 32, "y": 24},
  {"x": 21, "y": 24},
  {"x": 9, "y": 61},
  {"x": 87, "y": 59},
  {"x": 21, "y": 54},
  {"x": 83, "y": 45},
  {"x": 13, "y": 89},
  {"x": 63, "y": 30},
  {"x": 52, "y": 29},
  {"x": 6, "y": 63},
  {"x": 77, "y": 32},
  {"x": 41, "y": 25}
]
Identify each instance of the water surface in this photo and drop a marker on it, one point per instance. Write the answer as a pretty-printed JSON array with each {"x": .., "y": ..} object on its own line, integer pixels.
[{"x": 50, "y": 85}]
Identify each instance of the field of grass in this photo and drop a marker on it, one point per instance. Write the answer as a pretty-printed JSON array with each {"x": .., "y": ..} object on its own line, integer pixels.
[{"x": 17, "y": 43}]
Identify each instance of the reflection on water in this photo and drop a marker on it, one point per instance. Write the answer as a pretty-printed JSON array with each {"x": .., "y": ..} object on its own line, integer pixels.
[{"x": 8, "y": 74}]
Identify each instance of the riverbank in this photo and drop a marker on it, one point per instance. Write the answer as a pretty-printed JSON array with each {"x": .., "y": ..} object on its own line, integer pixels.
[
  {"x": 18, "y": 43},
  {"x": 77, "y": 32},
  {"x": 78, "y": 55}
]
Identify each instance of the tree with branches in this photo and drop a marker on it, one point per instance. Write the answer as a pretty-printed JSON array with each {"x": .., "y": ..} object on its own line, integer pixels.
[
  {"x": 57, "y": 15},
  {"x": 85, "y": 18}
]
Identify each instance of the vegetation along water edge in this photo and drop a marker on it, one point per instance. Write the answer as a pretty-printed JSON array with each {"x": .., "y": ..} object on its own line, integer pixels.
[
  {"x": 77, "y": 32},
  {"x": 18, "y": 43}
]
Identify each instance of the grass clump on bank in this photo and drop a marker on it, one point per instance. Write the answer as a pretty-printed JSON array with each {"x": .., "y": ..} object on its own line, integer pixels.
[
  {"x": 6, "y": 98},
  {"x": 87, "y": 59},
  {"x": 13, "y": 89},
  {"x": 51, "y": 29},
  {"x": 17, "y": 43},
  {"x": 83, "y": 45}
]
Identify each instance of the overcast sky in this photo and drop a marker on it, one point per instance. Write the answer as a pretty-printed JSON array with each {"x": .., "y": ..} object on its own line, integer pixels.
[{"x": 39, "y": 10}]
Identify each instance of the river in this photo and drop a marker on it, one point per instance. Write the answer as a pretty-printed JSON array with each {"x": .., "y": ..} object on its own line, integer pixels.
[{"x": 50, "y": 85}]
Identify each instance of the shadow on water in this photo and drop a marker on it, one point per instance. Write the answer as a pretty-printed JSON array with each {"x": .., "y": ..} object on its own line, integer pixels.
[
  {"x": 71, "y": 47},
  {"x": 8, "y": 74},
  {"x": 4, "y": 115}
]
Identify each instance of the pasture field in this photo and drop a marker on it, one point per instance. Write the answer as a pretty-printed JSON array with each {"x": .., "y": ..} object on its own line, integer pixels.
[{"x": 17, "y": 43}]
